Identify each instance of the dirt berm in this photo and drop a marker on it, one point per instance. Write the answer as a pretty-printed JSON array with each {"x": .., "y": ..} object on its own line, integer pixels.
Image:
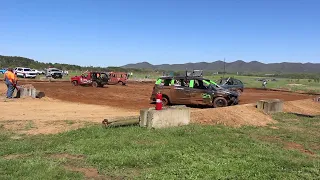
[
  {"x": 235, "y": 116},
  {"x": 248, "y": 114}
]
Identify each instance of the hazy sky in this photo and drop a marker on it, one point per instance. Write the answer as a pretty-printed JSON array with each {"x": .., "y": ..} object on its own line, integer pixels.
[{"x": 117, "y": 32}]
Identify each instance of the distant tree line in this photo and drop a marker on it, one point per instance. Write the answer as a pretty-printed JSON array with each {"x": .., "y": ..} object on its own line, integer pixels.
[{"x": 16, "y": 61}]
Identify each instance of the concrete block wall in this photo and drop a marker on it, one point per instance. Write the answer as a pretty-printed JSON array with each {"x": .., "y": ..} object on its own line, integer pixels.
[
  {"x": 270, "y": 106},
  {"x": 168, "y": 117},
  {"x": 28, "y": 91}
]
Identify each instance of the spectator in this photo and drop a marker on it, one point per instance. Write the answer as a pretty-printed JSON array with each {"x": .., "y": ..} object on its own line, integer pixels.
[
  {"x": 10, "y": 80},
  {"x": 264, "y": 84}
]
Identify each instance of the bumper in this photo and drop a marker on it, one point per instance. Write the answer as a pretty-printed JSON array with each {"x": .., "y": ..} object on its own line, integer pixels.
[
  {"x": 233, "y": 101},
  {"x": 56, "y": 75}
]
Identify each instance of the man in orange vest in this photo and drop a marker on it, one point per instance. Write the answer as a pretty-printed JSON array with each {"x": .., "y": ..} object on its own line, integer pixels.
[{"x": 10, "y": 80}]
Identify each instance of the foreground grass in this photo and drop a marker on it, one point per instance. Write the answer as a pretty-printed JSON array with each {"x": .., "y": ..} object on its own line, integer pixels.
[{"x": 190, "y": 152}]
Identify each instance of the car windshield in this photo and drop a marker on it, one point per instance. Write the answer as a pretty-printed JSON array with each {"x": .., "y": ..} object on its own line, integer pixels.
[{"x": 26, "y": 69}]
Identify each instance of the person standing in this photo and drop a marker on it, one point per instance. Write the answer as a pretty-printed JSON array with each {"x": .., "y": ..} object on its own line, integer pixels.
[
  {"x": 264, "y": 84},
  {"x": 10, "y": 80}
]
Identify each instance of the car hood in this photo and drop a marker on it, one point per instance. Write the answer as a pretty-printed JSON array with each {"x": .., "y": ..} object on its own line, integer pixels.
[{"x": 225, "y": 91}]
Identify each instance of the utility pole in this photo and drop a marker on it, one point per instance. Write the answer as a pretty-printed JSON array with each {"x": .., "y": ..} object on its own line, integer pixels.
[{"x": 224, "y": 66}]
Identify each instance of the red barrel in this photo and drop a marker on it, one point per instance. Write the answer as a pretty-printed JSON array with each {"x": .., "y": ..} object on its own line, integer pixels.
[{"x": 159, "y": 101}]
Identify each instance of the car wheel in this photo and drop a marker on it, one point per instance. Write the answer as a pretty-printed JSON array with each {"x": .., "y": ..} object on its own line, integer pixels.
[
  {"x": 220, "y": 102},
  {"x": 165, "y": 101},
  {"x": 94, "y": 84},
  {"x": 123, "y": 83},
  {"x": 74, "y": 83}
]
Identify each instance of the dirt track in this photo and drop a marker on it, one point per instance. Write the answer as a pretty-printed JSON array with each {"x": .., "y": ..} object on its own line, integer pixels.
[
  {"x": 87, "y": 104},
  {"x": 136, "y": 95}
]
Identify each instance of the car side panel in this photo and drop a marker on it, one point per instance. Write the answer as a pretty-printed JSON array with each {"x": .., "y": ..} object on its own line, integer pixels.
[
  {"x": 200, "y": 96},
  {"x": 180, "y": 95}
]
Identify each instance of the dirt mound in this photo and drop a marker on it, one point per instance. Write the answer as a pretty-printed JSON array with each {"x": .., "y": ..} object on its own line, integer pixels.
[
  {"x": 232, "y": 116},
  {"x": 307, "y": 106}
]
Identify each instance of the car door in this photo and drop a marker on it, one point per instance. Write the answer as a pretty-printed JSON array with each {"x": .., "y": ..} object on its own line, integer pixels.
[
  {"x": 199, "y": 93},
  {"x": 180, "y": 92},
  {"x": 19, "y": 72},
  {"x": 234, "y": 85}
]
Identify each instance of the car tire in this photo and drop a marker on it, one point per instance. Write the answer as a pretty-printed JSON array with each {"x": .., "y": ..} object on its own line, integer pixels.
[
  {"x": 220, "y": 102},
  {"x": 75, "y": 83},
  {"x": 165, "y": 101},
  {"x": 94, "y": 84},
  {"x": 123, "y": 83}
]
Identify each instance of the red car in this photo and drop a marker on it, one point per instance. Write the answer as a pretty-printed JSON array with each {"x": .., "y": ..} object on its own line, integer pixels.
[
  {"x": 117, "y": 77},
  {"x": 95, "y": 79}
]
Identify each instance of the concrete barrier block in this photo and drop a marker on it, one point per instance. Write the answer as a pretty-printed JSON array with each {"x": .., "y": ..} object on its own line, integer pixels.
[
  {"x": 168, "y": 117},
  {"x": 270, "y": 106},
  {"x": 144, "y": 117}
]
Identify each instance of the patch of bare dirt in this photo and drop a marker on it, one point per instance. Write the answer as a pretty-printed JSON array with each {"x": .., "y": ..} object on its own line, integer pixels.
[
  {"x": 306, "y": 106},
  {"x": 235, "y": 116},
  {"x": 91, "y": 173},
  {"x": 287, "y": 145},
  {"x": 41, "y": 127},
  {"x": 88, "y": 172},
  {"x": 296, "y": 146},
  {"x": 48, "y": 116}
]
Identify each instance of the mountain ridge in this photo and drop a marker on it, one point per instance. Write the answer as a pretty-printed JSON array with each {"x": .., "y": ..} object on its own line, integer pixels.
[{"x": 236, "y": 66}]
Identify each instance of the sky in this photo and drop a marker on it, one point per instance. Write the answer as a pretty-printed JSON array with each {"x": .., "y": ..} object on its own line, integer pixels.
[{"x": 118, "y": 32}]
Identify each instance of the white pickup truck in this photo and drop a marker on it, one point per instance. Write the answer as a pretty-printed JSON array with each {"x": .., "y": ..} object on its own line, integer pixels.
[
  {"x": 24, "y": 72},
  {"x": 54, "y": 73}
]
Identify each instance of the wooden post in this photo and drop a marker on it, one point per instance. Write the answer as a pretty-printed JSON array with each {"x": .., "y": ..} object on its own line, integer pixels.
[
  {"x": 133, "y": 120},
  {"x": 270, "y": 106}
]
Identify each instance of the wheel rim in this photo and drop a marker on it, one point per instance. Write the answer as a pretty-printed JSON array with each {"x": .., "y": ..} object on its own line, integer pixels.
[
  {"x": 220, "y": 103},
  {"x": 164, "y": 101}
]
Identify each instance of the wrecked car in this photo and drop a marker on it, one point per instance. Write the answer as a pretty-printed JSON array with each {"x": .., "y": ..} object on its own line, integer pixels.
[
  {"x": 232, "y": 84},
  {"x": 193, "y": 91}
]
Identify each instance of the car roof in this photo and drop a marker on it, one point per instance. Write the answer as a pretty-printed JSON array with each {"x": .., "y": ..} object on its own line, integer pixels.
[
  {"x": 22, "y": 68},
  {"x": 97, "y": 72},
  {"x": 183, "y": 77}
]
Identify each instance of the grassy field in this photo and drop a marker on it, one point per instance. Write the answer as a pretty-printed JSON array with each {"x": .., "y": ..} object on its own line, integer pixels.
[
  {"x": 305, "y": 85},
  {"x": 287, "y": 150}
]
